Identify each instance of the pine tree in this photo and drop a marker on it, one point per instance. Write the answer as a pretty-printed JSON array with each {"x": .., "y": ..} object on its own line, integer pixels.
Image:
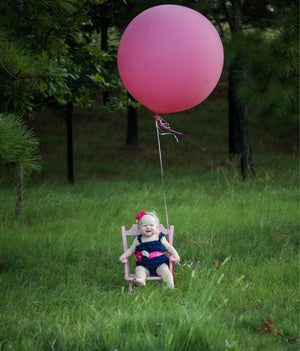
[
  {"x": 271, "y": 87},
  {"x": 18, "y": 153}
]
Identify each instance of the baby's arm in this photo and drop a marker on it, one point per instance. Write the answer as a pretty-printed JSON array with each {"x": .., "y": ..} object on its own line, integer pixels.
[
  {"x": 171, "y": 250},
  {"x": 129, "y": 252}
]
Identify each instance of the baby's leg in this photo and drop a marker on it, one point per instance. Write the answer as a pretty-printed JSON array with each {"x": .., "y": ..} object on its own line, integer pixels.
[
  {"x": 141, "y": 274},
  {"x": 164, "y": 272}
]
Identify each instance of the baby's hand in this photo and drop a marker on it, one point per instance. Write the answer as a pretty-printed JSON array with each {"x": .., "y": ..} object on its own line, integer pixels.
[
  {"x": 175, "y": 258},
  {"x": 122, "y": 258}
]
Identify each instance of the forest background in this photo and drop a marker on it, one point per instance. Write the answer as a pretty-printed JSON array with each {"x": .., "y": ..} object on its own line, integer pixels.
[{"x": 62, "y": 55}]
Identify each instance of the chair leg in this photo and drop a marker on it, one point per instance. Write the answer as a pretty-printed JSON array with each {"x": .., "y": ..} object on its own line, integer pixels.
[{"x": 130, "y": 288}]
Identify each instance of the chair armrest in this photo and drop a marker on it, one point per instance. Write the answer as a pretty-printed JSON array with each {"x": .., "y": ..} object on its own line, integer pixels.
[
  {"x": 124, "y": 261},
  {"x": 172, "y": 259}
]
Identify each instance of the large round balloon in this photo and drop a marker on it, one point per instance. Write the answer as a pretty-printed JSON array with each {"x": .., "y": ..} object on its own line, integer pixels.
[{"x": 170, "y": 58}]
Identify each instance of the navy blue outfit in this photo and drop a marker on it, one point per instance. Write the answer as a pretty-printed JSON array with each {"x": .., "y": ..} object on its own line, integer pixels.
[{"x": 151, "y": 246}]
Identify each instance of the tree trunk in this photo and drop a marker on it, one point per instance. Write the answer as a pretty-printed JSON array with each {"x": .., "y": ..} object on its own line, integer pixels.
[
  {"x": 246, "y": 157},
  {"x": 132, "y": 125},
  {"x": 19, "y": 191},
  {"x": 70, "y": 156},
  {"x": 239, "y": 144},
  {"x": 234, "y": 111}
]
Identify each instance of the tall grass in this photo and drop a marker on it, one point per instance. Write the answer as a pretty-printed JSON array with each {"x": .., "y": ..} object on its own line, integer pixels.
[{"x": 62, "y": 287}]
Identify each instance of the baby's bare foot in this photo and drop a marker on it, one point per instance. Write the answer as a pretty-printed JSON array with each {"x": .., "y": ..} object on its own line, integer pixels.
[{"x": 137, "y": 281}]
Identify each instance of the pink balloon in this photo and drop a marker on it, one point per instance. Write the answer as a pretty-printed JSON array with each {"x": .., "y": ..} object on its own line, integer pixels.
[{"x": 170, "y": 58}]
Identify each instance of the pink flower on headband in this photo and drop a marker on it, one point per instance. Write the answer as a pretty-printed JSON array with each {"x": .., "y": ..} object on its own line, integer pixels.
[{"x": 140, "y": 215}]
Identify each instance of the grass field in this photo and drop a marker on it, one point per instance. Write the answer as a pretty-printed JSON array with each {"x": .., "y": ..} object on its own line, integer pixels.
[{"x": 62, "y": 287}]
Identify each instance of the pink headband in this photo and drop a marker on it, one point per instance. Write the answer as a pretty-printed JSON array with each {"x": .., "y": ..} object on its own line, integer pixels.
[{"x": 143, "y": 213}]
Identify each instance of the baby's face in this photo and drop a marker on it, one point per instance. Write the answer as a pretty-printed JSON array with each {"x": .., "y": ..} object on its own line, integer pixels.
[{"x": 148, "y": 226}]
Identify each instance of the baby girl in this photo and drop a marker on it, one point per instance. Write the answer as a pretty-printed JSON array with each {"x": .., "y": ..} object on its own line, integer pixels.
[{"x": 149, "y": 248}]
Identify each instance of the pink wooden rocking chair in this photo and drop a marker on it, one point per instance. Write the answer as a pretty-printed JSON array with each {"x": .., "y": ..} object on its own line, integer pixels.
[{"x": 134, "y": 230}]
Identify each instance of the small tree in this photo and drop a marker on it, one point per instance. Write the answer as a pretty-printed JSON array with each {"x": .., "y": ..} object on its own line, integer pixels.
[{"x": 18, "y": 153}]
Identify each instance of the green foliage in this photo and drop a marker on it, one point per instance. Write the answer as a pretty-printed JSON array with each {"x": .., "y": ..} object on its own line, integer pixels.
[
  {"x": 46, "y": 55},
  {"x": 268, "y": 43},
  {"x": 271, "y": 87},
  {"x": 18, "y": 146},
  {"x": 27, "y": 64}
]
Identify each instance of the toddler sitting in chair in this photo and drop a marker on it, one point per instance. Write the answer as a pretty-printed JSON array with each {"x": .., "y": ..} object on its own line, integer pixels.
[{"x": 149, "y": 248}]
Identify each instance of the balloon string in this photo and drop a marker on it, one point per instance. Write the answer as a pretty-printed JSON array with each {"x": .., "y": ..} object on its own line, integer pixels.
[
  {"x": 162, "y": 173},
  {"x": 162, "y": 124}
]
